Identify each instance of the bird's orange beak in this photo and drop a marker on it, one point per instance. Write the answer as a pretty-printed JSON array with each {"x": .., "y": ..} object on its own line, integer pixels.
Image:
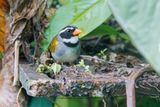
[{"x": 76, "y": 32}]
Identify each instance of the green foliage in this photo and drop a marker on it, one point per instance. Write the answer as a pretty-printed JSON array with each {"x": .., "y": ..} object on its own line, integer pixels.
[
  {"x": 42, "y": 68},
  {"x": 140, "y": 102},
  {"x": 77, "y": 101},
  {"x": 83, "y": 65},
  {"x": 107, "y": 30},
  {"x": 39, "y": 102},
  {"x": 85, "y": 102},
  {"x": 85, "y": 14},
  {"x": 64, "y": 2},
  {"x": 103, "y": 54},
  {"x": 140, "y": 19},
  {"x": 102, "y": 30},
  {"x": 52, "y": 68},
  {"x": 1, "y": 55},
  {"x": 55, "y": 68},
  {"x": 147, "y": 102}
]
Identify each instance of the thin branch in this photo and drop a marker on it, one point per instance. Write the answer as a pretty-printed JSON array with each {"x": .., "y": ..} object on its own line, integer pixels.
[
  {"x": 130, "y": 85},
  {"x": 91, "y": 58},
  {"x": 104, "y": 103},
  {"x": 16, "y": 62},
  {"x": 18, "y": 95}
]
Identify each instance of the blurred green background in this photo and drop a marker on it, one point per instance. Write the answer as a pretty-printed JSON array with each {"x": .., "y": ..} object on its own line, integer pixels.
[{"x": 90, "y": 102}]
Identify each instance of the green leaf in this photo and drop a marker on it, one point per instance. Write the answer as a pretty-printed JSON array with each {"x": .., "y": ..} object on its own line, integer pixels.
[
  {"x": 42, "y": 68},
  {"x": 140, "y": 19},
  {"x": 64, "y": 2},
  {"x": 85, "y": 14},
  {"x": 103, "y": 30},
  {"x": 55, "y": 68}
]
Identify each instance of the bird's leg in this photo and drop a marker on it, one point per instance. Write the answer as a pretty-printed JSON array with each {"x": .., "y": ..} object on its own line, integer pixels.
[
  {"x": 72, "y": 64},
  {"x": 16, "y": 62}
]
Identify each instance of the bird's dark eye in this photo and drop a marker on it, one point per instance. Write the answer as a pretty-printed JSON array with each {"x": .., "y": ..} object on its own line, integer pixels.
[{"x": 69, "y": 30}]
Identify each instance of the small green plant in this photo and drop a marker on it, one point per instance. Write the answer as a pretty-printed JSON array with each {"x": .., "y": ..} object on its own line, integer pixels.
[
  {"x": 83, "y": 65},
  {"x": 103, "y": 54},
  {"x": 55, "y": 68},
  {"x": 52, "y": 68},
  {"x": 42, "y": 68}
]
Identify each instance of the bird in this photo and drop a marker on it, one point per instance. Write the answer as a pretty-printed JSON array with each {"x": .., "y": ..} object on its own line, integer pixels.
[{"x": 65, "y": 48}]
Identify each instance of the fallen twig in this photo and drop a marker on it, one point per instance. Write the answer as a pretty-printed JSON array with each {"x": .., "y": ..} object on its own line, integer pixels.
[
  {"x": 130, "y": 85},
  {"x": 16, "y": 62},
  {"x": 18, "y": 95},
  {"x": 91, "y": 58}
]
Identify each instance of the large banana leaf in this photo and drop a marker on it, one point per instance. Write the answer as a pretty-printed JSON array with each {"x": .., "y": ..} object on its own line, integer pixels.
[{"x": 141, "y": 20}]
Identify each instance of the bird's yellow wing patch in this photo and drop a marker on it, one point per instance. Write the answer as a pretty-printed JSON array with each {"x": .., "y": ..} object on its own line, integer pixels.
[{"x": 53, "y": 44}]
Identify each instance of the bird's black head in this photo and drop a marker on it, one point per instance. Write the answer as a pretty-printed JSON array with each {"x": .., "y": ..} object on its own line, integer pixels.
[
  {"x": 69, "y": 31},
  {"x": 69, "y": 36}
]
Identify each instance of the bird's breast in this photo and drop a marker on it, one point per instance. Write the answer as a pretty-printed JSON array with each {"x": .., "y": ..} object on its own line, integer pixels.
[{"x": 64, "y": 53}]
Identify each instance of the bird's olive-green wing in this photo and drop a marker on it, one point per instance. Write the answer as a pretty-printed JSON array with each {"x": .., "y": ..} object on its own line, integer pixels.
[{"x": 53, "y": 44}]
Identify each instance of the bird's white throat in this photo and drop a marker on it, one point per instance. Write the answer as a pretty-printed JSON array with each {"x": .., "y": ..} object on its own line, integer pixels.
[{"x": 72, "y": 40}]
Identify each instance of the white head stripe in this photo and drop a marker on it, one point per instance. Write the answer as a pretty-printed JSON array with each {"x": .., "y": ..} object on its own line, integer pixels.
[
  {"x": 71, "y": 40},
  {"x": 71, "y": 28}
]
